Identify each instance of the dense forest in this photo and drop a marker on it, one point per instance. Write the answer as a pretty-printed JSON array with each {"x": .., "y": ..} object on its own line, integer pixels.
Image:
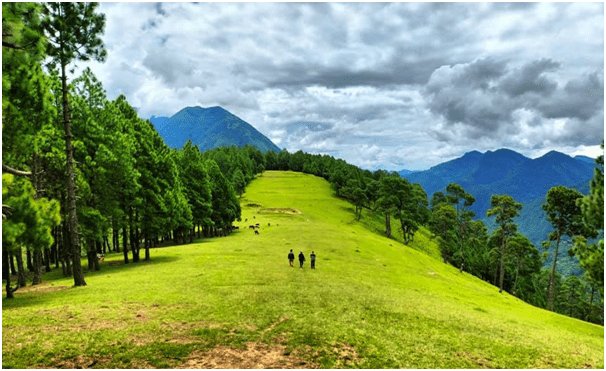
[{"x": 83, "y": 175}]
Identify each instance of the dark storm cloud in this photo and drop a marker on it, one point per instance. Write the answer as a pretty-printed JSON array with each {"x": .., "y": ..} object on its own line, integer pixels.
[
  {"x": 481, "y": 99},
  {"x": 580, "y": 98},
  {"x": 531, "y": 78}
]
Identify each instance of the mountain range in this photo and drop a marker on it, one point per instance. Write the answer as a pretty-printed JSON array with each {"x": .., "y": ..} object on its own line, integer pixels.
[
  {"x": 507, "y": 172},
  {"x": 209, "y": 128}
]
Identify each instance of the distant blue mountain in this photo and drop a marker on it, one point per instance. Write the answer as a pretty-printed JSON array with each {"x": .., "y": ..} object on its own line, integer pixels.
[
  {"x": 209, "y": 128},
  {"x": 405, "y": 172},
  {"x": 507, "y": 172}
]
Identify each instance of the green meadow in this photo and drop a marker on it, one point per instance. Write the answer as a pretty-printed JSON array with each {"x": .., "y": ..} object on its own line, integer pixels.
[{"x": 234, "y": 302}]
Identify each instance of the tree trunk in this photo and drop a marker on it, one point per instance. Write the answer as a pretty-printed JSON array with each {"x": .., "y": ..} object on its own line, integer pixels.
[
  {"x": 388, "y": 225},
  {"x": 28, "y": 260},
  {"x": 96, "y": 264},
  {"x": 5, "y": 264},
  {"x": 47, "y": 258},
  {"x": 586, "y": 316},
  {"x": 134, "y": 243},
  {"x": 106, "y": 247},
  {"x": 6, "y": 272},
  {"x": 37, "y": 267},
  {"x": 66, "y": 254},
  {"x": 58, "y": 244},
  {"x": 550, "y": 288},
  {"x": 147, "y": 246},
  {"x": 20, "y": 268},
  {"x": 11, "y": 263},
  {"x": 502, "y": 263},
  {"x": 125, "y": 244},
  {"x": 72, "y": 215},
  {"x": 115, "y": 239},
  {"x": 90, "y": 255},
  {"x": 515, "y": 281}
]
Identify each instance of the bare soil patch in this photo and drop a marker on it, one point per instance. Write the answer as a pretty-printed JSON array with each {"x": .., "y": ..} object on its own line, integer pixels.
[
  {"x": 280, "y": 210},
  {"x": 255, "y": 355},
  {"x": 41, "y": 287},
  {"x": 346, "y": 354},
  {"x": 80, "y": 362},
  {"x": 477, "y": 359}
]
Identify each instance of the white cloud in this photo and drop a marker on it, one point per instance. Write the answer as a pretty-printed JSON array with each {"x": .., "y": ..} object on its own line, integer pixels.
[{"x": 360, "y": 73}]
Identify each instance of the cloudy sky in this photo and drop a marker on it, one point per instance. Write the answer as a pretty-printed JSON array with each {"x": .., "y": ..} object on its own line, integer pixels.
[{"x": 396, "y": 86}]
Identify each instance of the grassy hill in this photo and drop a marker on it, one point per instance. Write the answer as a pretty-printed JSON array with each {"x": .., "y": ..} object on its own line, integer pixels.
[{"x": 234, "y": 302}]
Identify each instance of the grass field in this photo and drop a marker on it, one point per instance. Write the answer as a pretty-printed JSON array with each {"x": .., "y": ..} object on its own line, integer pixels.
[{"x": 234, "y": 302}]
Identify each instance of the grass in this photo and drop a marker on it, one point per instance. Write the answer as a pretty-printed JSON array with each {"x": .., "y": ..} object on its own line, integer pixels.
[{"x": 234, "y": 302}]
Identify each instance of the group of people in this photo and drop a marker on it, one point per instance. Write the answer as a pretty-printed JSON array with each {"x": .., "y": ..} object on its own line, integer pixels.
[{"x": 312, "y": 259}]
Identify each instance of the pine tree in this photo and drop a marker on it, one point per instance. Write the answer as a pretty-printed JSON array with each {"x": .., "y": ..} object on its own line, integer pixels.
[
  {"x": 73, "y": 33},
  {"x": 504, "y": 208}
]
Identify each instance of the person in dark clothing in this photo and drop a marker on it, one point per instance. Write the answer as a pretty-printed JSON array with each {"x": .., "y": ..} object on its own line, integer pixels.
[
  {"x": 291, "y": 257},
  {"x": 301, "y": 259},
  {"x": 312, "y": 259}
]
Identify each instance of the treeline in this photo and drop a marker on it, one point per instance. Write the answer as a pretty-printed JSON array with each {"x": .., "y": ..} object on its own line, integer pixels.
[
  {"x": 505, "y": 257},
  {"x": 130, "y": 191}
]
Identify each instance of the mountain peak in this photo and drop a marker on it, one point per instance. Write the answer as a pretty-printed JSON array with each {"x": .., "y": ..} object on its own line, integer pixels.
[
  {"x": 554, "y": 156},
  {"x": 472, "y": 154},
  {"x": 209, "y": 128},
  {"x": 198, "y": 111}
]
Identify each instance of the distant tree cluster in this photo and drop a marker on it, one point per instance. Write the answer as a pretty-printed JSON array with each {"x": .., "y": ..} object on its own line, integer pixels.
[
  {"x": 380, "y": 190},
  {"x": 510, "y": 261},
  {"x": 84, "y": 175}
]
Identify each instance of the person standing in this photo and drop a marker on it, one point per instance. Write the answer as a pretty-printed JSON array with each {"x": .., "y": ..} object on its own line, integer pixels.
[
  {"x": 301, "y": 259},
  {"x": 291, "y": 257},
  {"x": 312, "y": 259}
]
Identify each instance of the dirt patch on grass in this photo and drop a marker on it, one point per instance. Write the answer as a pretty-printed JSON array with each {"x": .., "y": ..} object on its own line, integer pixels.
[
  {"x": 173, "y": 332},
  {"x": 347, "y": 356},
  {"x": 41, "y": 288},
  {"x": 255, "y": 355},
  {"x": 280, "y": 210},
  {"x": 476, "y": 359},
  {"x": 80, "y": 362}
]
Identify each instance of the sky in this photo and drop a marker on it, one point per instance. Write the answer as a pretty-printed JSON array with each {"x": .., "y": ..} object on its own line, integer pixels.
[{"x": 380, "y": 85}]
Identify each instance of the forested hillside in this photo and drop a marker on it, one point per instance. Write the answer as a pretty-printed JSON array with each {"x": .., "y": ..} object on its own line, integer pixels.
[
  {"x": 527, "y": 180},
  {"x": 85, "y": 172}
]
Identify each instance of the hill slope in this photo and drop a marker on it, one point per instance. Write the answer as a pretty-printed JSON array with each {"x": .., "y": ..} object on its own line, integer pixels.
[
  {"x": 209, "y": 128},
  {"x": 234, "y": 302},
  {"x": 507, "y": 172}
]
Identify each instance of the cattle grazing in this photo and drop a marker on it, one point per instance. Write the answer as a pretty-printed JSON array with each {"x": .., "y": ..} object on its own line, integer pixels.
[
  {"x": 251, "y": 227},
  {"x": 256, "y": 231},
  {"x": 269, "y": 224}
]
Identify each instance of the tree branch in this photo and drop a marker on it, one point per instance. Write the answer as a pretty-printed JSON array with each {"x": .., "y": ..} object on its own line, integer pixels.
[{"x": 16, "y": 172}]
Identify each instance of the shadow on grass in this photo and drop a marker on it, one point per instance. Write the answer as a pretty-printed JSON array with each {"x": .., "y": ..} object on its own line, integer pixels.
[{"x": 31, "y": 295}]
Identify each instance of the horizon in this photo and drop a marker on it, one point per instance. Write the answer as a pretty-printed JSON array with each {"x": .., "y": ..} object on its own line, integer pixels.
[
  {"x": 532, "y": 157},
  {"x": 391, "y": 85}
]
